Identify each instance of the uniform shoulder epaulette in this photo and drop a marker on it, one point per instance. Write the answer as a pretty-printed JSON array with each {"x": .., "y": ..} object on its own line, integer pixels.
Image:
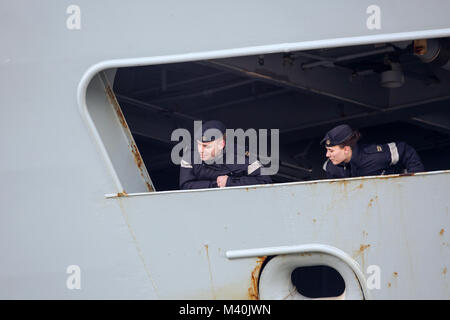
[
  {"x": 374, "y": 148},
  {"x": 185, "y": 164}
]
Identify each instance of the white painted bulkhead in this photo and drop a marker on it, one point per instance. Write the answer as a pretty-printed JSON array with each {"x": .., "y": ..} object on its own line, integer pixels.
[{"x": 54, "y": 212}]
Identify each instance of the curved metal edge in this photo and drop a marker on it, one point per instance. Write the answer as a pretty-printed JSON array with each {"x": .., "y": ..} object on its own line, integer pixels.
[
  {"x": 307, "y": 248},
  {"x": 227, "y": 53},
  {"x": 260, "y": 186},
  {"x": 81, "y": 98}
]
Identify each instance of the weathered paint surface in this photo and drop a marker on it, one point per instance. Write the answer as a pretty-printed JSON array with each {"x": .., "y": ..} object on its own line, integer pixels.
[
  {"x": 390, "y": 222},
  {"x": 253, "y": 290},
  {"x": 53, "y": 210},
  {"x": 131, "y": 143}
]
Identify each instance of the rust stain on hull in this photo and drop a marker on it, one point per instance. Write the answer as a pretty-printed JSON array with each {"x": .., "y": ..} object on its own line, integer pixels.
[
  {"x": 149, "y": 187},
  {"x": 112, "y": 99},
  {"x": 134, "y": 150},
  {"x": 406, "y": 174},
  {"x": 361, "y": 249},
  {"x": 139, "y": 163},
  {"x": 122, "y": 194},
  {"x": 253, "y": 293},
  {"x": 136, "y": 155},
  {"x": 360, "y": 252},
  {"x": 372, "y": 200},
  {"x": 396, "y": 176},
  {"x": 442, "y": 232}
]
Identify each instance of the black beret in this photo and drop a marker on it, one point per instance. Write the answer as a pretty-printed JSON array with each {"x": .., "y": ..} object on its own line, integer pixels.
[
  {"x": 337, "y": 135},
  {"x": 212, "y": 124}
]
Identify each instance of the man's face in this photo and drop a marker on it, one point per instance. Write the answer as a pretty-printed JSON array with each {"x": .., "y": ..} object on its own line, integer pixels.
[
  {"x": 337, "y": 155},
  {"x": 209, "y": 150}
]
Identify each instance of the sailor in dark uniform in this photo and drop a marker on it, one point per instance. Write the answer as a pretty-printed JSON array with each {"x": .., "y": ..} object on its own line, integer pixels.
[
  {"x": 349, "y": 158},
  {"x": 213, "y": 171}
]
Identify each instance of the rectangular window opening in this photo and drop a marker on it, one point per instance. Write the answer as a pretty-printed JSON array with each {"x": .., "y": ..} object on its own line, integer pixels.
[{"x": 389, "y": 91}]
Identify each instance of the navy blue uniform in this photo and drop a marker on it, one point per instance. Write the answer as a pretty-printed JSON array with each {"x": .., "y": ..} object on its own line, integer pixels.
[
  {"x": 199, "y": 176},
  {"x": 368, "y": 160}
]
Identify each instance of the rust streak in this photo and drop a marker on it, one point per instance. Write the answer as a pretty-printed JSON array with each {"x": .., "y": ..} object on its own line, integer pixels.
[
  {"x": 134, "y": 150},
  {"x": 444, "y": 271},
  {"x": 308, "y": 254},
  {"x": 372, "y": 200},
  {"x": 122, "y": 120},
  {"x": 122, "y": 194},
  {"x": 112, "y": 99},
  {"x": 395, "y": 274},
  {"x": 406, "y": 174},
  {"x": 441, "y": 232},
  {"x": 363, "y": 247},
  {"x": 345, "y": 184},
  {"x": 360, "y": 252},
  {"x": 395, "y": 176},
  {"x": 137, "y": 155},
  {"x": 149, "y": 187},
  {"x": 253, "y": 293}
]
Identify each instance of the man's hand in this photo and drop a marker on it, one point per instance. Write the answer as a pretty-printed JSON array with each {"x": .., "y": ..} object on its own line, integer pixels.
[{"x": 222, "y": 181}]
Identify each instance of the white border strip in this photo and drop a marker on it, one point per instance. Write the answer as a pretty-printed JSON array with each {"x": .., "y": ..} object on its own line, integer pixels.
[{"x": 394, "y": 153}]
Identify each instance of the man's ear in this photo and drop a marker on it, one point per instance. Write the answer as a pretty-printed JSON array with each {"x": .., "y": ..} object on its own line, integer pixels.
[{"x": 347, "y": 149}]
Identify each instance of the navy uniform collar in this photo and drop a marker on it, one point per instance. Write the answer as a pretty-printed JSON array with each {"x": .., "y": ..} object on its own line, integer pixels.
[
  {"x": 356, "y": 155},
  {"x": 355, "y": 160}
]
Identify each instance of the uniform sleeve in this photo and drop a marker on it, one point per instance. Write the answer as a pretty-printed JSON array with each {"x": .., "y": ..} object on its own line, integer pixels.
[
  {"x": 404, "y": 154},
  {"x": 188, "y": 179},
  {"x": 253, "y": 176},
  {"x": 247, "y": 180}
]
